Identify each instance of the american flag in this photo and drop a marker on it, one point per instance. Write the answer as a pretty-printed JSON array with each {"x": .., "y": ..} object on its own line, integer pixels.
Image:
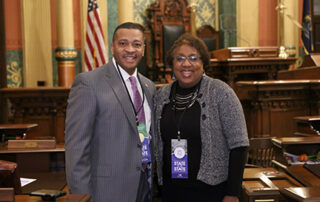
[
  {"x": 306, "y": 33},
  {"x": 95, "y": 53}
]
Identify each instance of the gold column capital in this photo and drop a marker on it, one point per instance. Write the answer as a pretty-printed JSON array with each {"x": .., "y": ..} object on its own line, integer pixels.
[{"x": 64, "y": 54}]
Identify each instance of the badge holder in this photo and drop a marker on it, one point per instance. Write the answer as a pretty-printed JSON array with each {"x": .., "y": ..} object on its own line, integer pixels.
[{"x": 179, "y": 159}]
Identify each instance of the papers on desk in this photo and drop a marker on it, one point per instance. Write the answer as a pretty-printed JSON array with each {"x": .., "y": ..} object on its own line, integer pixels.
[
  {"x": 25, "y": 181},
  {"x": 294, "y": 159}
]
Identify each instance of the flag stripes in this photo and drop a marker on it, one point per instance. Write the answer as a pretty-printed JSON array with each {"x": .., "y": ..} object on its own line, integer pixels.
[{"x": 95, "y": 51}]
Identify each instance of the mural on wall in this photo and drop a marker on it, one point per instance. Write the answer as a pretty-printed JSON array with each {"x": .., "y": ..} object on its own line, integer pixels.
[{"x": 14, "y": 68}]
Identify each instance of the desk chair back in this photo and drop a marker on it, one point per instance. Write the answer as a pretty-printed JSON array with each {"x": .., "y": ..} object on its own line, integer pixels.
[{"x": 261, "y": 152}]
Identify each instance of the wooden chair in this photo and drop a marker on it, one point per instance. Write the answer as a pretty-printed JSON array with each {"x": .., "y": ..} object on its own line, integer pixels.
[
  {"x": 168, "y": 20},
  {"x": 210, "y": 37},
  {"x": 261, "y": 152},
  {"x": 9, "y": 176}
]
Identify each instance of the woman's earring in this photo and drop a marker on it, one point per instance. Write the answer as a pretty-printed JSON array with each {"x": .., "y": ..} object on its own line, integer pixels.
[{"x": 173, "y": 76}]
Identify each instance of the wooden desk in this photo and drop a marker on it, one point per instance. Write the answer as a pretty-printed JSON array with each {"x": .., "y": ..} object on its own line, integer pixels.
[
  {"x": 35, "y": 160},
  {"x": 45, "y": 180},
  {"x": 45, "y": 165},
  {"x": 306, "y": 194},
  {"x": 301, "y": 73},
  {"x": 307, "y": 125},
  {"x": 44, "y": 106},
  {"x": 67, "y": 198},
  {"x": 285, "y": 141},
  {"x": 304, "y": 176},
  {"x": 247, "y": 64},
  {"x": 270, "y": 106},
  {"x": 264, "y": 184},
  {"x": 16, "y": 129},
  {"x": 295, "y": 145}
]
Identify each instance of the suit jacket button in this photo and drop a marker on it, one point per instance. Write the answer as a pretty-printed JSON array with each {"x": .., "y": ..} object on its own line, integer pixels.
[
  {"x": 204, "y": 117},
  {"x": 138, "y": 168},
  {"x": 203, "y": 104},
  {"x": 139, "y": 145}
]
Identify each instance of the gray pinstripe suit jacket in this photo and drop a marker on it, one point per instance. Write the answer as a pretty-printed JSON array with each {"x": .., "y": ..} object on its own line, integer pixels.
[{"x": 103, "y": 149}]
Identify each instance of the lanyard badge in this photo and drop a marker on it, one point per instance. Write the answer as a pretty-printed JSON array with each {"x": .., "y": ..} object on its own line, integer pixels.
[
  {"x": 179, "y": 159},
  {"x": 146, "y": 155}
]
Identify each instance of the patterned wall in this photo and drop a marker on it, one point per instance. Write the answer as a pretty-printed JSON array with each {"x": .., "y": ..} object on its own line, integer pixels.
[
  {"x": 206, "y": 12},
  {"x": 14, "y": 67},
  {"x": 112, "y": 20},
  {"x": 140, "y": 10}
]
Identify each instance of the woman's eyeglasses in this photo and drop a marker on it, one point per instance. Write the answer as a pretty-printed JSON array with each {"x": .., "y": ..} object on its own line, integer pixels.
[{"x": 191, "y": 59}]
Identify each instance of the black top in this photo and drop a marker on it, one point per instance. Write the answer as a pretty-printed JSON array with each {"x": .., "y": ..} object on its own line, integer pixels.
[{"x": 190, "y": 130}]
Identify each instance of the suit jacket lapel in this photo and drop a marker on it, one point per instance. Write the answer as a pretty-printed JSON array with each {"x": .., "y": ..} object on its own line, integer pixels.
[
  {"x": 146, "y": 91},
  {"x": 113, "y": 78}
]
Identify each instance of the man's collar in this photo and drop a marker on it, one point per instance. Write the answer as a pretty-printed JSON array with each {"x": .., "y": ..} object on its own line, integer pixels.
[{"x": 123, "y": 72}]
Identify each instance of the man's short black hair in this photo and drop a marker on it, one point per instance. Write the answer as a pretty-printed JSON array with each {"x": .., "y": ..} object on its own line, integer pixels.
[{"x": 128, "y": 25}]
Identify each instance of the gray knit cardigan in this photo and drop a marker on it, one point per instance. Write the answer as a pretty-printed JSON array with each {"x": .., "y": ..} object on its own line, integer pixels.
[{"x": 222, "y": 128}]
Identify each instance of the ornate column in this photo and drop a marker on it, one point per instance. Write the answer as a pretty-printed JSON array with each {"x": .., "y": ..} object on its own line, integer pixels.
[
  {"x": 281, "y": 7},
  {"x": 247, "y": 23},
  {"x": 65, "y": 52},
  {"x": 194, "y": 6},
  {"x": 125, "y": 11},
  {"x": 288, "y": 28},
  {"x": 37, "y": 45}
]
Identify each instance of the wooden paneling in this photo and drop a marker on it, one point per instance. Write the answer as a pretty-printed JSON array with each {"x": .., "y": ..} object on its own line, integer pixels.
[
  {"x": 302, "y": 73},
  {"x": 270, "y": 106},
  {"x": 247, "y": 64},
  {"x": 44, "y": 106},
  {"x": 264, "y": 184}
]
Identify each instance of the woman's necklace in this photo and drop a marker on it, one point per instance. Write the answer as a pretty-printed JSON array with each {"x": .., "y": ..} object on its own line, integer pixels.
[{"x": 181, "y": 102}]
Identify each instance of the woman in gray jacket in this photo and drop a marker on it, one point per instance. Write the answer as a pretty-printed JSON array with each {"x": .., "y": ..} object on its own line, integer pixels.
[{"x": 201, "y": 140}]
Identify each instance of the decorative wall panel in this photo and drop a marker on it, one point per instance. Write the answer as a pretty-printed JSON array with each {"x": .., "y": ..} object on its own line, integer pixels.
[
  {"x": 14, "y": 68},
  {"x": 206, "y": 13}
]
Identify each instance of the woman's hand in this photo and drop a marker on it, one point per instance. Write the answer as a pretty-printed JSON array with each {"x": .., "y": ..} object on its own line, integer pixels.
[{"x": 230, "y": 199}]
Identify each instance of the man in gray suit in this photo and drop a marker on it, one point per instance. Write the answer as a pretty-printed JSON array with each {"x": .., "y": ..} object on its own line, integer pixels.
[{"x": 108, "y": 144}]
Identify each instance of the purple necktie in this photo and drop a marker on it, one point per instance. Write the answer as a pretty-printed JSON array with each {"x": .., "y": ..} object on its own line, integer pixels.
[{"x": 137, "y": 100}]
